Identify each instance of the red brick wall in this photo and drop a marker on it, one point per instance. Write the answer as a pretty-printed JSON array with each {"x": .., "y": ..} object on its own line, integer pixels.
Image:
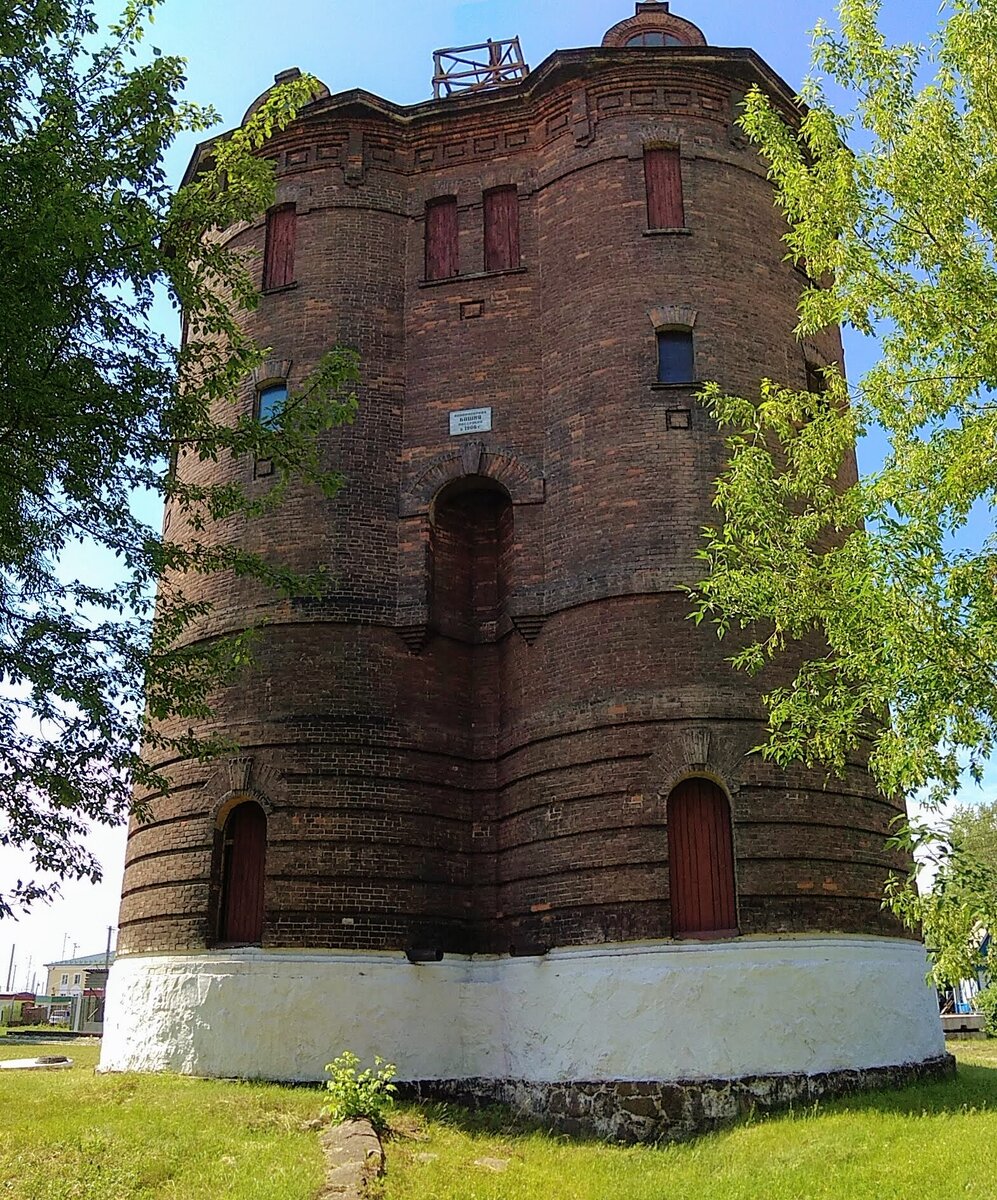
[{"x": 478, "y": 783}]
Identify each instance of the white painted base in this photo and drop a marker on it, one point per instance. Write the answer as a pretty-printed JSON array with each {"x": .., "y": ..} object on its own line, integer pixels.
[{"x": 657, "y": 1011}]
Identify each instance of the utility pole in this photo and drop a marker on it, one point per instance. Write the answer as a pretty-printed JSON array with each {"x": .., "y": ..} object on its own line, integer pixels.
[
  {"x": 10, "y": 969},
  {"x": 107, "y": 952}
]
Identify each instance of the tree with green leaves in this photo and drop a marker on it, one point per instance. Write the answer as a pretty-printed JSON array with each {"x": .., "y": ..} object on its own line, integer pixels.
[
  {"x": 960, "y": 909},
  {"x": 95, "y": 403},
  {"x": 892, "y": 213}
]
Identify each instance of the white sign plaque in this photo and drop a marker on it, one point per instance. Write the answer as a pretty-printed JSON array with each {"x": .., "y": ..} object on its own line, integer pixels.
[{"x": 470, "y": 420}]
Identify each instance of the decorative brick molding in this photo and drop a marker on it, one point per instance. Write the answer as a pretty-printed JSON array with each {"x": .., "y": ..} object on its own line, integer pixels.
[
  {"x": 673, "y": 316},
  {"x": 715, "y": 750},
  {"x": 521, "y": 479},
  {"x": 652, "y": 1112},
  {"x": 239, "y": 779},
  {"x": 273, "y": 370}
]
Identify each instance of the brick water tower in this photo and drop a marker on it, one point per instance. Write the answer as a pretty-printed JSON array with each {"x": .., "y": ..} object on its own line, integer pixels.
[{"x": 494, "y": 815}]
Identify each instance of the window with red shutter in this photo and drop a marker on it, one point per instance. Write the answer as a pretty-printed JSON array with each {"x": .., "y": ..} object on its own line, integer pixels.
[
  {"x": 441, "y": 238},
  {"x": 701, "y": 861},
  {"x": 501, "y": 229},
  {"x": 278, "y": 255},
  {"x": 243, "y": 872},
  {"x": 663, "y": 179}
]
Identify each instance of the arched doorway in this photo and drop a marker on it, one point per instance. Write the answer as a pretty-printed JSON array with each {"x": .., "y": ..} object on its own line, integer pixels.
[
  {"x": 244, "y": 849},
  {"x": 471, "y": 559},
  {"x": 701, "y": 861}
]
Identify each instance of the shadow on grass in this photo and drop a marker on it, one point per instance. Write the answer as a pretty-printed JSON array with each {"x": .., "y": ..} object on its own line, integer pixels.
[
  {"x": 485, "y": 1121},
  {"x": 973, "y": 1089}
]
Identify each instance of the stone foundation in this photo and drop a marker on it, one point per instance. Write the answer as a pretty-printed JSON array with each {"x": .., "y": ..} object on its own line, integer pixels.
[{"x": 653, "y": 1112}]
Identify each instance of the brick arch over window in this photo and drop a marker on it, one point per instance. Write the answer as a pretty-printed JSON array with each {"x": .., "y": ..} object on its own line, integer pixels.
[
  {"x": 654, "y": 18},
  {"x": 523, "y": 481},
  {"x": 242, "y": 866},
  {"x": 701, "y": 861}
]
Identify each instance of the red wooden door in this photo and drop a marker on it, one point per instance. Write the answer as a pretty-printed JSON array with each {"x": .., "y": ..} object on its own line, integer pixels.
[
  {"x": 663, "y": 176},
  {"x": 501, "y": 229},
  {"x": 701, "y": 861},
  {"x": 243, "y": 873},
  {"x": 278, "y": 255}
]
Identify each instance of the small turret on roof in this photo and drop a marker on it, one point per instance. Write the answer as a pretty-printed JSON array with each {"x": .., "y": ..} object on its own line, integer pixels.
[{"x": 654, "y": 25}]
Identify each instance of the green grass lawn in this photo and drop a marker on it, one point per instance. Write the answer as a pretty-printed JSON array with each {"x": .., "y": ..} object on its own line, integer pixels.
[
  {"x": 74, "y": 1135},
  {"x": 934, "y": 1142}
]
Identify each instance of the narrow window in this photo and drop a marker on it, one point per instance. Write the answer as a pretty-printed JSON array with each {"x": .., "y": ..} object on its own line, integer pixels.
[
  {"x": 278, "y": 256},
  {"x": 243, "y": 872},
  {"x": 441, "y": 238},
  {"x": 676, "y": 363},
  {"x": 501, "y": 229},
  {"x": 270, "y": 401},
  {"x": 76, "y": 979},
  {"x": 663, "y": 180},
  {"x": 65, "y": 981},
  {"x": 701, "y": 861},
  {"x": 815, "y": 379}
]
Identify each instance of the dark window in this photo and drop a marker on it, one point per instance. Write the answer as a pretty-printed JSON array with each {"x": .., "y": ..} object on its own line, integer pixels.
[
  {"x": 663, "y": 180},
  {"x": 501, "y": 229},
  {"x": 243, "y": 871},
  {"x": 815, "y": 379},
  {"x": 701, "y": 861},
  {"x": 441, "y": 238},
  {"x": 675, "y": 358},
  {"x": 654, "y": 38},
  {"x": 278, "y": 257},
  {"x": 270, "y": 401}
]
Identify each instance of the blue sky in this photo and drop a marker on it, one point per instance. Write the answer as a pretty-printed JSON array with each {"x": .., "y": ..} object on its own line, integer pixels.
[{"x": 234, "y": 48}]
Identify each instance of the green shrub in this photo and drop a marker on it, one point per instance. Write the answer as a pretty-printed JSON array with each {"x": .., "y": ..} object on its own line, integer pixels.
[
  {"x": 368, "y": 1095},
  {"x": 986, "y": 1003}
]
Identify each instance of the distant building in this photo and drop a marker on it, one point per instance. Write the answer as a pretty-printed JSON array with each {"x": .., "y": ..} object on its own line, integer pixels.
[
  {"x": 73, "y": 976},
  {"x": 74, "y": 991}
]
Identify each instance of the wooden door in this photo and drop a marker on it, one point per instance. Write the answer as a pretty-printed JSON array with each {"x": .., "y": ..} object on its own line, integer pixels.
[
  {"x": 701, "y": 861},
  {"x": 243, "y": 874}
]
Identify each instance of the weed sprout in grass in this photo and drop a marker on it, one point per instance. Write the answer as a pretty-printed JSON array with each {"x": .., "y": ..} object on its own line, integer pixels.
[{"x": 360, "y": 1096}]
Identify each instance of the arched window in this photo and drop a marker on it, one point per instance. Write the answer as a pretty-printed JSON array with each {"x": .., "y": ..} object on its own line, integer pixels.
[
  {"x": 471, "y": 559},
  {"x": 654, "y": 37},
  {"x": 244, "y": 849},
  {"x": 701, "y": 861}
]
